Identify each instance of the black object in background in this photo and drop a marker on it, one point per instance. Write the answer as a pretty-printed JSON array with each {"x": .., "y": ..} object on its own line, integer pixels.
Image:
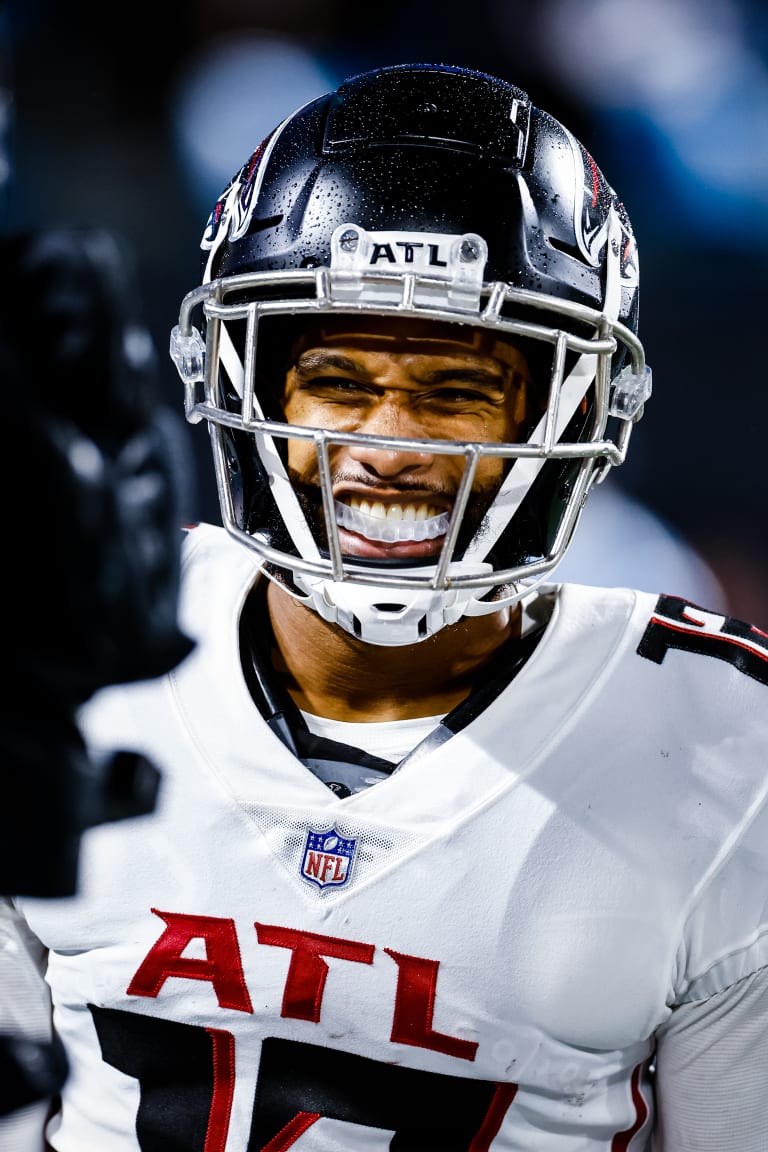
[{"x": 93, "y": 468}]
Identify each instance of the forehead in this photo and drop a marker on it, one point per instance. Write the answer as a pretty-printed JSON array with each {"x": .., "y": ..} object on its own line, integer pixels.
[{"x": 408, "y": 336}]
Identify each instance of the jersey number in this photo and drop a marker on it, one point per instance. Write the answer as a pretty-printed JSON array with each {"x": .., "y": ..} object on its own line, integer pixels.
[
  {"x": 186, "y": 1076},
  {"x": 678, "y": 624}
]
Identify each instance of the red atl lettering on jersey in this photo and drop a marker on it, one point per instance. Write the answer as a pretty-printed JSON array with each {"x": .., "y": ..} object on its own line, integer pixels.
[
  {"x": 414, "y": 1006},
  {"x": 307, "y": 971},
  {"x": 222, "y": 966},
  {"x": 305, "y": 981}
]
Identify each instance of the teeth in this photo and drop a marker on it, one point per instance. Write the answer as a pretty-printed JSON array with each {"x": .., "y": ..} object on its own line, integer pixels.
[
  {"x": 395, "y": 511},
  {"x": 397, "y": 523}
]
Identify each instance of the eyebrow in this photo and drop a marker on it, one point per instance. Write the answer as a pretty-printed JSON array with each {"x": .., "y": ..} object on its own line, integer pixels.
[
  {"x": 467, "y": 375},
  {"x": 322, "y": 359}
]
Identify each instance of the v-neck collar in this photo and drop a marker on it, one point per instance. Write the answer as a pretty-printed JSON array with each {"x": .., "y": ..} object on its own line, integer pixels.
[{"x": 320, "y": 753}]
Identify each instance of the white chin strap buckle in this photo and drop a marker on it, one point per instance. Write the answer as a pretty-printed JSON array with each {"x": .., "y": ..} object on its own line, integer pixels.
[{"x": 392, "y": 617}]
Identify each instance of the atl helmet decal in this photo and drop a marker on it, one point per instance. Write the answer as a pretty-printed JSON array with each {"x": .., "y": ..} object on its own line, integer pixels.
[{"x": 328, "y": 857}]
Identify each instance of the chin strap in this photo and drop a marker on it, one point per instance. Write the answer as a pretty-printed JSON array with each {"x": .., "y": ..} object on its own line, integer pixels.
[{"x": 390, "y": 617}]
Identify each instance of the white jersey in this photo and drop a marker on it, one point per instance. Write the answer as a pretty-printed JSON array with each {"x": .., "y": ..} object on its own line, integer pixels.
[{"x": 477, "y": 954}]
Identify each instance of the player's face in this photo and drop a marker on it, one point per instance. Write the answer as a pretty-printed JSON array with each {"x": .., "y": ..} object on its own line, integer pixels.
[{"x": 405, "y": 379}]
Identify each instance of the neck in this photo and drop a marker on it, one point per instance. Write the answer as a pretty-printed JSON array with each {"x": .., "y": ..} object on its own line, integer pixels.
[{"x": 329, "y": 673}]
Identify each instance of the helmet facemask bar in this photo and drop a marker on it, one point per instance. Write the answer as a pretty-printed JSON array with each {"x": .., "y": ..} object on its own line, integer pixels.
[{"x": 543, "y": 444}]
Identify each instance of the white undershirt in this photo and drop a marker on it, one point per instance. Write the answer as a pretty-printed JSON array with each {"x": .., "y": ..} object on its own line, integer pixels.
[{"x": 389, "y": 739}]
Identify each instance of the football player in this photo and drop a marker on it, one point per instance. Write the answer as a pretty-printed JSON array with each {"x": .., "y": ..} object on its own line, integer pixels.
[{"x": 447, "y": 855}]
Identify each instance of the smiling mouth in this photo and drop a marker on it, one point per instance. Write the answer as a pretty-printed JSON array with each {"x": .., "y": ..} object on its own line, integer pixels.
[{"x": 391, "y": 523}]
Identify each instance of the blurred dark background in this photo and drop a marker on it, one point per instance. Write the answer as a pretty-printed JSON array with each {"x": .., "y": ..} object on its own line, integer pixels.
[{"x": 134, "y": 118}]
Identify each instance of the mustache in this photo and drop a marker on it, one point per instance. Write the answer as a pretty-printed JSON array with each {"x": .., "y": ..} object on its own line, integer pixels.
[
  {"x": 402, "y": 485},
  {"x": 310, "y": 500}
]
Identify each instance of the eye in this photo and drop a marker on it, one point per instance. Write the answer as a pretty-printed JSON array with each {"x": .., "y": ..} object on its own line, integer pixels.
[
  {"x": 335, "y": 388},
  {"x": 463, "y": 395},
  {"x": 461, "y": 392}
]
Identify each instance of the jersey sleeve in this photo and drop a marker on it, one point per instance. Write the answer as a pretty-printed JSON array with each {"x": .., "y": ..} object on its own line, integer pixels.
[
  {"x": 25, "y": 1011},
  {"x": 25, "y": 1003},
  {"x": 712, "y": 1071}
]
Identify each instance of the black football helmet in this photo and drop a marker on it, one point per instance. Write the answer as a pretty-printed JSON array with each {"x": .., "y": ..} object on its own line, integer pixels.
[{"x": 426, "y": 191}]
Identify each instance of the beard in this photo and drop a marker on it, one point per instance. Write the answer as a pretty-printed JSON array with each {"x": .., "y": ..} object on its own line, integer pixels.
[{"x": 309, "y": 497}]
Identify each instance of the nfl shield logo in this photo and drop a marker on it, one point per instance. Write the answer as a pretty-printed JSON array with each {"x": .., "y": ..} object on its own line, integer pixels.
[{"x": 328, "y": 857}]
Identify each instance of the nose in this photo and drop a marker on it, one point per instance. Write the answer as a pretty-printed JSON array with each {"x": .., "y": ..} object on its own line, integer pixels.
[{"x": 391, "y": 418}]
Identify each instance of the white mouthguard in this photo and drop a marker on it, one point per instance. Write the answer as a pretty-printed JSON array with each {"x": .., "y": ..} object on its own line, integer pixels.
[{"x": 390, "y": 531}]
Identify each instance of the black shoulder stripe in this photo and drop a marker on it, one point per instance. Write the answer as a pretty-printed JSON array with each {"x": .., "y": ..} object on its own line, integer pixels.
[{"x": 676, "y": 623}]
